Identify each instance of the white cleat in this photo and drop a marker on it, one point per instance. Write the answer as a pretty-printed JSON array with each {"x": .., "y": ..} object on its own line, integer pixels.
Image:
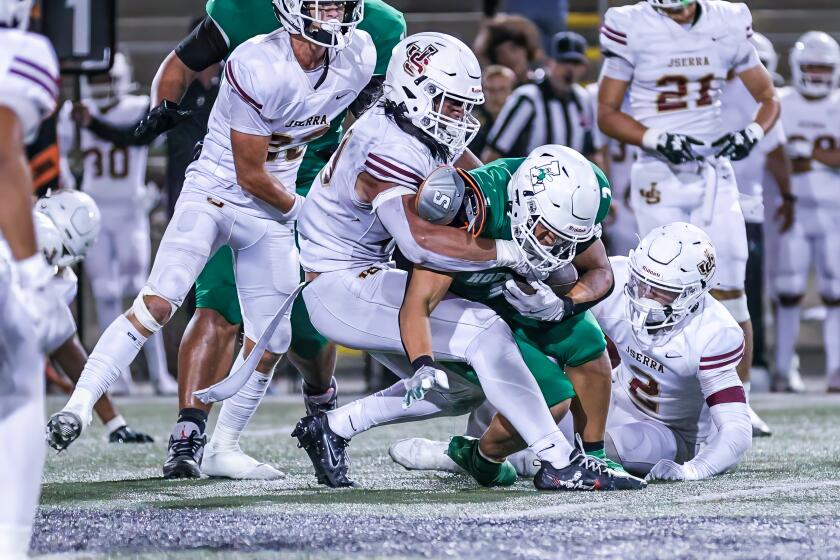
[
  {"x": 165, "y": 385},
  {"x": 420, "y": 454},
  {"x": 237, "y": 465},
  {"x": 759, "y": 426},
  {"x": 795, "y": 383}
]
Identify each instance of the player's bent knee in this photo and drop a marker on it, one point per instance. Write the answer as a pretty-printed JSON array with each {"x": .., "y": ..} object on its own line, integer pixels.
[
  {"x": 151, "y": 310},
  {"x": 737, "y": 307},
  {"x": 789, "y": 300}
]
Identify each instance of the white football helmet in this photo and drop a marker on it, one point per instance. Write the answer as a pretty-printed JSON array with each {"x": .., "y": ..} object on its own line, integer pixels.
[
  {"x": 48, "y": 238},
  {"x": 119, "y": 85},
  {"x": 766, "y": 53},
  {"x": 555, "y": 187},
  {"x": 670, "y": 4},
  {"x": 815, "y": 48},
  {"x": 15, "y": 13},
  {"x": 670, "y": 271},
  {"x": 427, "y": 70},
  {"x": 77, "y": 218},
  {"x": 298, "y": 19}
]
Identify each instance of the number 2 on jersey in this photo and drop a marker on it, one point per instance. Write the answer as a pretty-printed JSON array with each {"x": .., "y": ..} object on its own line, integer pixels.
[
  {"x": 642, "y": 391},
  {"x": 678, "y": 100}
]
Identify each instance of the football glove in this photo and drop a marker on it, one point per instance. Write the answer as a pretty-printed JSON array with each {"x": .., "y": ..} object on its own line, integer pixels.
[
  {"x": 542, "y": 305},
  {"x": 164, "y": 117},
  {"x": 738, "y": 145},
  {"x": 511, "y": 255},
  {"x": 669, "y": 470},
  {"x": 676, "y": 148},
  {"x": 423, "y": 380}
]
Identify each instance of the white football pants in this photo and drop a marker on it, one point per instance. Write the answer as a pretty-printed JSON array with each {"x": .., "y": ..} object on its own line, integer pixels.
[
  {"x": 699, "y": 194},
  {"x": 813, "y": 238}
]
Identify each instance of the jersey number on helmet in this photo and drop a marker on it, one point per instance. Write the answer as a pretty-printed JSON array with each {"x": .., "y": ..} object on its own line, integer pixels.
[
  {"x": 677, "y": 100},
  {"x": 643, "y": 390},
  {"x": 117, "y": 161}
]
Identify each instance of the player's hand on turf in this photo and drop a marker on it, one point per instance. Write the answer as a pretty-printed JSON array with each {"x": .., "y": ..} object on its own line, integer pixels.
[
  {"x": 677, "y": 148},
  {"x": 738, "y": 145},
  {"x": 164, "y": 117},
  {"x": 669, "y": 470},
  {"x": 542, "y": 305},
  {"x": 424, "y": 380},
  {"x": 799, "y": 148}
]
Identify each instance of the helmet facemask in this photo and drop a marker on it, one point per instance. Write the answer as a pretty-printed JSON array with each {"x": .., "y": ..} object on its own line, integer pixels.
[
  {"x": 304, "y": 17},
  {"x": 544, "y": 258},
  {"x": 453, "y": 132},
  {"x": 657, "y": 311},
  {"x": 818, "y": 80}
]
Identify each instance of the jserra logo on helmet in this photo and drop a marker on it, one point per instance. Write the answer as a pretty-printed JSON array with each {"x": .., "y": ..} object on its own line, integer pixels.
[
  {"x": 707, "y": 265},
  {"x": 417, "y": 59}
]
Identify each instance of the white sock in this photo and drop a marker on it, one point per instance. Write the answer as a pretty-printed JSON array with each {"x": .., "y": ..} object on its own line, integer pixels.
[
  {"x": 831, "y": 336},
  {"x": 114, "y": 424},
  {"x": 553, "y": 448},
  {"x": 384, "y": 407},
  {"x": 112, "y": 355},
  {"x": 787, "y": 331},
  {"x": 156, "y": 357},
  {"x": 238, "y": 410}
]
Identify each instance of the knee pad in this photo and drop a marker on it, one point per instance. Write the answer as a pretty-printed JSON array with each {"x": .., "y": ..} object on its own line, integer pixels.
[
  {"x": 142, "y": 313},
  {"x": 737, "y": 308}
]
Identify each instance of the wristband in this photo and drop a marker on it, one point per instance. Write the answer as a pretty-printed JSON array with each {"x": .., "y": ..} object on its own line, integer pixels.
[
  {"x": 651, "y": 138},
  {"x": 568, "y": 306},
  {"x": 421, "y": 361},
  {"x": 756, "y": 130}
]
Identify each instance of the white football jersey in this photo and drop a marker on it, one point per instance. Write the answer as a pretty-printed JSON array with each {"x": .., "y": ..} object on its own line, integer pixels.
[
  {"x": 676, "y": 382},
  {"x": 676, "y": 72},
  {"x": 28, "y": 78},
  {"x": 265, "y": 92},
  {"x": 337, "y": 230},
  {"x": 112, "y": 174},
  {"x": 817, "y": 121}
]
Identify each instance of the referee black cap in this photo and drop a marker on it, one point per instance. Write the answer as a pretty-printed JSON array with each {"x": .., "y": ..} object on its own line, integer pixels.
[{"x": 568, "y": 46}]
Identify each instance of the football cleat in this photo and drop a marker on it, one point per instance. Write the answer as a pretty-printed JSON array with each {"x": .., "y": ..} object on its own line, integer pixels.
[
  {"x": 63, "y": 429},
  {"x": 316, "y": 404},
  {"x": 127, "y": 434},
  {"x": 326, "y": 450},
  {"x": 584, "y": 473},
  {"x": 759, "y": 426},
  {"x": 464, "y": 451},
  {"x": 420, "y": 454},
  {"x": 183, "y": 458},
  {"x": 237, "y": 465}
]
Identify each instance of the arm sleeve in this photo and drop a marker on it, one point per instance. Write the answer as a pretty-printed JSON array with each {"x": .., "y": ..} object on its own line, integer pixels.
[
  {"x": 745, "y": 56},
  {"x": 728, "y": 446},
  {"x": 245, "y": 98},
  {"x": 392, "y": 214},
  {"x": 513, "y": 121},
  {"x": 121, "y": 135},
  {"x": 204, "y": 46},
  {"x": 615, "y": 36}
]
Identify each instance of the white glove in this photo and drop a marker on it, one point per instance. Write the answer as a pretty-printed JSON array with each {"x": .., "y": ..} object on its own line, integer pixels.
[
  {"x": 510, "y": 254},
  {"x": 669, "y": 470},
  {"x": 799, "y": 149},
  {"x": 543, "y": 305},
  {"x": 423, "y": 380},
  {"x": 43, "y": 303},
  {"x": 293, "y": 212}
]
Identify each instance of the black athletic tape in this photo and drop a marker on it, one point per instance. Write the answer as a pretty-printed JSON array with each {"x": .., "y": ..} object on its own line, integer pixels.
[{"x": 424, "y": 360}]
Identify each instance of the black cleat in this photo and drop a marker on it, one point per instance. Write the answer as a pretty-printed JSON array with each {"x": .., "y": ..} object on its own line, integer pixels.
[
  {"x": 584, "y": 473},
  {"x": 326, "y": 450},
  {"x": 316, "y": 404},
  {"x": 184, "y": 456},
  {"x": 63, "y": 429},
  {"x": 127, "y": 434}
]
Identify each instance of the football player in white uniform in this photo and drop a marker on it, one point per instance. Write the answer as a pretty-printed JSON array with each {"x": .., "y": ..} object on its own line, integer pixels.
[
  {"x": 361, "y": 204},
  {"x": 811, "y": 117},
  {"x": 66, "y": 223},
  {"x": 673, "y": 57},
  {"x": 28, "y": 89},
  {"x": 115, "y": 176},
  {"x": 678, "y": 409},
  {"x": 280, "y": 91},
  {"x": 766, "y": 163}
]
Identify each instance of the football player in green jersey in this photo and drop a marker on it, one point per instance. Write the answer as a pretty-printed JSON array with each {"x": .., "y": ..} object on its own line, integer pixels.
[
  {"x": 206, "y": 350},
  {"x": 499, "y": 202}
]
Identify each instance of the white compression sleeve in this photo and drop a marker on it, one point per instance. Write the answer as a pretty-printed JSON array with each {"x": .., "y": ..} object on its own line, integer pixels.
[
  {"x": 238, "y": 410},
  {"x": 392, "y": 215},
  {"x": 728, "y": 446}
]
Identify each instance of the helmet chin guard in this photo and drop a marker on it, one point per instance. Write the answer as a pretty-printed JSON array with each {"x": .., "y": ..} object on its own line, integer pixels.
[{"x": 298, "y": 19}]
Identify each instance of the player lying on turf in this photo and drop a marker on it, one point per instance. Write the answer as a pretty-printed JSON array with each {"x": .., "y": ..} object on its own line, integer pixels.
[
  {"x": 279, "y": 92},
  {"x": 66, "y": 224},
  {"x": 364, "y": 200},
  {"x": 678, "y": 410},
  {"x": 554, "y": 185}
]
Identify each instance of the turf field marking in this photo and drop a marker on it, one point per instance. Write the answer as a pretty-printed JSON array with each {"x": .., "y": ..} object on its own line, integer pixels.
[{"x": 759, "y": 491}]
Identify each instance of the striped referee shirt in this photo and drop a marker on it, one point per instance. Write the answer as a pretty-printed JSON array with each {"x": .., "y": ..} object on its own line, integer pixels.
[{"x": 533, "y": 116}]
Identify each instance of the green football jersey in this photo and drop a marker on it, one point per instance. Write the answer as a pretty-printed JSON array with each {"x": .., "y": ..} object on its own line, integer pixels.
[
  {"x": 242, "y": 19},
  {"x": 492, "y": 181}
]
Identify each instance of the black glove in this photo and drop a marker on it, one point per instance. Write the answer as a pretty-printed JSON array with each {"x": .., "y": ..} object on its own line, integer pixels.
[
  {"x": 738, "y": 145},
  {"x": 676, "y": 148},
  {"x": 164, "y": 117}
]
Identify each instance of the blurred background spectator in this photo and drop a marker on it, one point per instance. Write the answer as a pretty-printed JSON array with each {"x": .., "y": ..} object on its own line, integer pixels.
[
  {"x": 549, "y": 15},
  {"x": 498, "y": 83},
  {"x": 511, "y": 41}
]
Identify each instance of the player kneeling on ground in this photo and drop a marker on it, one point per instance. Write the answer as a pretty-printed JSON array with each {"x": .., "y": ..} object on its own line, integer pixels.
[
  {"x": 66, "y": 225},
  {"x": 678, "y": 410}
]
